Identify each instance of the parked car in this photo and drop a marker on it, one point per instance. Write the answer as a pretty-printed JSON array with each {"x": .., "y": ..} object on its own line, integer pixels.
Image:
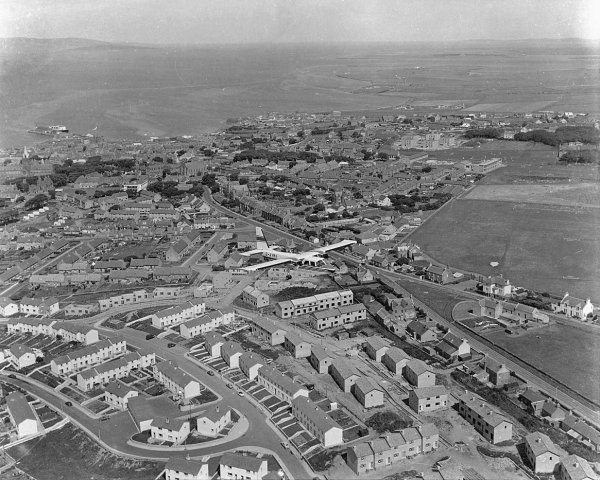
[
  {"x": 170, "y": 345},
  {"x": 69, "y": 404},
  {"x": 229, "y": 385},
  {"x": 240, "y": 393},
  {"x": 12, "y": 375},
  {"x": 150, "y": 336},
  {"x": 211, "y": 373}
]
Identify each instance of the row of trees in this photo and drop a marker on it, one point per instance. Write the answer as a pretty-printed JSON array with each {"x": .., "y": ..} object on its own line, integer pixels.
[
  {"x": 561, "y": 135},
  {"x": 581, "y": 156}
]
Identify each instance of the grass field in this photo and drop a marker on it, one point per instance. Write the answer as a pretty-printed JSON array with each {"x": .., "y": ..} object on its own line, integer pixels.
[
  {"x": 68, "y": 454},
  {"x": 536, "y": 246}
]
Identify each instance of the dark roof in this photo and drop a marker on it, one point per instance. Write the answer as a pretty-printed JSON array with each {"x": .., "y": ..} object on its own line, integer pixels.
[{"x": 245, "y": 462}]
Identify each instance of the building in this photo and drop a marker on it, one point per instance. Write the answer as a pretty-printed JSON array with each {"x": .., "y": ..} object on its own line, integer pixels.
[
  {"x": 428, "y": 399},
  {"x": 368, "y": 394},
  {"x": 117, "y": 394},
  {"x": 8, "y": 307},
  {"x": 236, "y": 466},
  {"x": 207, "y": 322},
  {"x": 22, "y": 415},
  {"x": 335, "y": 317},
  {"x": 533, "y": 401},
  {"x": 392, "y": 448},
  {"x": 250, "y": 364},
  {"x": 317, "y": 422},
  {"x": 573, "y": 467},
  {"x": 172, "y": 430},
  {"x": 320, "y": 359},
  {"x": 176, "y": 380},
  {"x": 182, "y": 469},
  {"x": 267, "y": 331},
  {"x": 453, "y": 348},
  {"x": 114, "y": 369},
  {"x": 175, "y": 315},
  {"x": 376, "y": 347},
  {"x": 491, "y": 425},
  {"x": 343, "y": 374},
  {"x": 483, "y": 167},
  {"x": 213, "y": 342},
  {"x": 320, "y": 301},
  {"x": 418, "y": 374},
  {"x": 87, "y": 356},
  {"x": 75, "y": 333},
  {"x": 21, "y": 356},
  {"x": 573, "y": 307},
  {"x": 38, "y": 306},
  {"x": 296, "y": 346},
  {"x": 438, "y": 274},
  {"x": 231, "y": 353},
  {"x": 498, "y": 374},
  {"x": 395, "y": 359},
  {"x": 541, "y": 453},
  {"x": 498, "y": 287},
  {"x": 256, "y": 298},
  {"x": 279, "y": 384},
  {"x": 420, "y": 332}
]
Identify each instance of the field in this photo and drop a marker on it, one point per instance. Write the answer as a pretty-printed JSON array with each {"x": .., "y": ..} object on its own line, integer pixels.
[
  {"x": 128, "y": 91},
  {"x": 543, "y": 247},
  {"x": 68, "y": 454}
]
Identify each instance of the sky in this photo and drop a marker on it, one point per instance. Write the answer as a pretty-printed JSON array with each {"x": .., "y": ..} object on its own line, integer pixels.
[{"x": 283, "y": 21}]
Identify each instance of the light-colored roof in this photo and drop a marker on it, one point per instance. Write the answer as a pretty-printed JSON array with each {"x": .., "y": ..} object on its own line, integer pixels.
[{"x": 429, "y": 392}]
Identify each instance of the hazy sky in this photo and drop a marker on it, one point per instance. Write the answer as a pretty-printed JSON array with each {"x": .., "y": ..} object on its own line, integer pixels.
[{"x": 238, "y": 21}]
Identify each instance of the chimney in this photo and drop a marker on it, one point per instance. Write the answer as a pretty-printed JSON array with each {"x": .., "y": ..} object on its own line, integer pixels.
[{"x": 166, "y": 420}]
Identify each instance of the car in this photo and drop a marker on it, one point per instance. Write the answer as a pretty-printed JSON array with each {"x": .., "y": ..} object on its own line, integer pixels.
[
  {"x": 69, "y": 404},
  {"x": 240, "y": 393},
  {"x": 12, "y": 375},
  {"x": 150, "y": 336},
  {"x": 211, "y": 373},
  {"x": 285, "y": 445},
  {"x": 170, "y": 345},
  {"x": 229, "y": 385},
  {"x": 104, "y": 418}
]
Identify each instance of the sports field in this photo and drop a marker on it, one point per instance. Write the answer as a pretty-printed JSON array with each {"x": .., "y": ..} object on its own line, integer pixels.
[{"x": 544, "y": 247}]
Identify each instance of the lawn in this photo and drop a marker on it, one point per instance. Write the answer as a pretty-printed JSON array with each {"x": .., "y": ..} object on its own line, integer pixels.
[{"x": 68, "y": 454}]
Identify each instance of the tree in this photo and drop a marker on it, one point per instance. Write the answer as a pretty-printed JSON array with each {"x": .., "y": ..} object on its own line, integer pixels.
[
  {"x": 36, "y": 202},
  {"x": 319, "y": 207},
  {"x": 426, "y": 169},
  {"x": 382, "y": 156}
]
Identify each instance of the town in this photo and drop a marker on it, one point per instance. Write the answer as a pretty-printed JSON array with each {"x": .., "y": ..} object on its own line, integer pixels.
[{"x": 238, "y": 303}]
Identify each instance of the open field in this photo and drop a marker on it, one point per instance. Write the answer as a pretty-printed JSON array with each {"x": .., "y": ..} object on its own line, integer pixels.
[
  {"x": 537, "y": 246},
  {"x": 128, "y": 91},
  {"x": 572, "y": 194}
]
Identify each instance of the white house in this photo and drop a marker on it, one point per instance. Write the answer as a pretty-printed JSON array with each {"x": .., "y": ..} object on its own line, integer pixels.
[
  {"x": 183, "y": 469},
  {"x": 169, "y": 430},
  {"x": 237, "y": 466},
  {"x": 22, "y": 415},
  {"x": 21, "y": 356},
  {"x": 212, "y": 422},
  {"x": 573, "y": 307},
  {"x": 8, "y": 307}
]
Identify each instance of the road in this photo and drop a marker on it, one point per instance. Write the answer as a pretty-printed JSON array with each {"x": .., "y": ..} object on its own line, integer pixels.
[{"x": 420, "y": 298}]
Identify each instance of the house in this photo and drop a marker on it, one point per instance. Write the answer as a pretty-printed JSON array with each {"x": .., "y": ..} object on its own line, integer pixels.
[
  {"x": 213, "y": 342},
  {"x": 38, "y": 306},
  {"x": 235, "y": 260},
  {"x": 418, "y": 374},
  {"x": 8, "y": 307},
  {"x": 368, "y": 394},
  {"x": 118, "y": 368},
  {"x": 498, "y": 287},
  {"x": 533, "y": 401},
  {"x": 392, "y": 448},
  {"x": 498, "y": 374},
  {"x": 573, "y": 307},
  {"x": 452, "y": 347},
  {"x": 320, "y": 301},
  {"x": 335, "y": 317},
  {"x": 217, "y": 252},
  {"x": 343, "y": 374},
  {"x": 376, "y": 347},
  {"x": 364, "y": 275},
  {"x": 21, "y": 356},
  {"x": 541, "y": 453},
  {"x": 117, "y": 394},
  {"x": 296, "y": 346},
  {"x": 75, "y": 333},
  {"x": 490, "y": 308},
  {"x": 256, "y": 298},
  {"x": 438, "y": 274},
  {"x": 176, "y": 380},
  {"x": 491, "y": 425},
  {"x": 171, "y": 430},
  {"x": 420, "y": 332},
  {"x": 207, "y": 323},
  {"x": 231, "y": 353},
  {"x": 320, "y": 359},
  {"x": 317, "y": 422},
  {"x": 553, "y": 413},
  {"x": 22, "y": 415},
  {"x": 178, "y": 314},
  {"x": 267, "y": 331},
  {"x": 573, "y": 467},
  {"x": 213, "y": 421},
  {"x": 395, "y": 360},
  {"x": 178, "y": 468},
  {"x": 236, "y": 466},
  {"x": 87, "y": 356},
  {"x": 279, "y": 384},
  {"x": 428, "y": 399},
  {"x": 250, "y": 364}
]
